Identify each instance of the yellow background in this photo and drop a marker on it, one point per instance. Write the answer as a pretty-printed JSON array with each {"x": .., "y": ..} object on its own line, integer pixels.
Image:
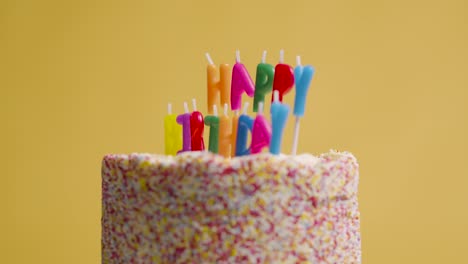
[{"x": 80, "y": 79}]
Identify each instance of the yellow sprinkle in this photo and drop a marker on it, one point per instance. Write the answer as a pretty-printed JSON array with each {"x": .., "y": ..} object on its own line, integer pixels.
[
  {"x": 233, "y": 252},
  {"x": 223, "y": 212},
  {"x": 261, "y": 202},
  {"x": 143, "y": 184},
  {"x": 211, "y": 201},
  {"x": 144, "y": 164},
  {"x": 156, "y": 259}
]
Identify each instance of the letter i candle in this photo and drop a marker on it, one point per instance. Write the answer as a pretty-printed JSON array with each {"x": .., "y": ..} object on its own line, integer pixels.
[{"x": 184, "y": 121}]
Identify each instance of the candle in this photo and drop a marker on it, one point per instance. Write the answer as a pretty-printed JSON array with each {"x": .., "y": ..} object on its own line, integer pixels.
[
  {"x": 303, "y": 77},
  {"x": 284, "y": 78},
  {"x": 184, "y": 121},
  {"x": 213, "y": 122},
  {"x": 172, "y": 133},
  {"x": 241, "y": 82},
  {"x": 225, "y": 133},
  {"x": 197, "y": 127},
  {"x": 235, "y": 121},
  {"x": 244, "y": 127},
  {"x": 219, "y": 83},
  {"x": 261, "y": 132},
  {"x": 263, "y": 81},
  {"x": 279, "y": 115}
]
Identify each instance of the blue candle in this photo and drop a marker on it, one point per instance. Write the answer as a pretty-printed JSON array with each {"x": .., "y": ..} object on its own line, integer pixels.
[
  {"x": 279, "y": 115},
  {"x": 243, "y": 128},
  {"x": 303, "y": 77}
]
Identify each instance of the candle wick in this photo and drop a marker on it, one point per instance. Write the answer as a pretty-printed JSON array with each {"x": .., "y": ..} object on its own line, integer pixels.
[
  {"x": 208, "y": 57},
  {"x": 194, "y": 103},
  {"x": 186, "y": 108},
  {"x": 296, "y": 137},
  {"x": 264, "y": 56},
  {"x": 298, "y": 60},
  {"x": 275, "y": 96},
  {"x": 246, "y": 106},
  {"x": 260, "y": 108},
  {"x": 169, "y": 109},
  {"x": 215, "y": 110},
  {"x": 238, "y": 56},
  {"x": 281, "y": 58}
]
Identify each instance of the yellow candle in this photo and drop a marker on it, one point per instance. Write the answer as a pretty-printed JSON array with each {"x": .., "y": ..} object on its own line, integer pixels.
[
  {"x": 172, "y": 133},
  {"x": 225, "y": 134},
  {"x": 219, "y": 84}
]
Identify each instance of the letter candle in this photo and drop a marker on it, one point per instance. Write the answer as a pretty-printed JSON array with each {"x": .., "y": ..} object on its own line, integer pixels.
[
  {"x": 184, "y": 121},
  {"x": 263, "y": 81},
  {"x": 303, "y": 77},
  {"x": 172, "y": 133},
  {"x": 235, "y": 121},
  {"x": 241, "y": 82},
  {"x": 261, "y": 132},
  {"x": 279, "y": 115},
  {"x": 244, "y": 127},
  {"x": 225, "y": 133},
  {"x": 284, "y": 78},
  {"x": 213, "y": 122},
  {"x": 218, "y": 87},
  {"x": 197, "y": 127}
]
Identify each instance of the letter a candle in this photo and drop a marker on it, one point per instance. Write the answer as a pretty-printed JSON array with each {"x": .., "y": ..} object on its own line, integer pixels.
[
  {"x": 241, "y": 82},
  {"x": 261, "y": 132}
]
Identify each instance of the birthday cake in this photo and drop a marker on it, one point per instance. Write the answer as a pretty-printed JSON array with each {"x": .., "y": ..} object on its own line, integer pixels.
[
  {"x": 199, "y": 207},
  {"x": 233, "y": 202}
]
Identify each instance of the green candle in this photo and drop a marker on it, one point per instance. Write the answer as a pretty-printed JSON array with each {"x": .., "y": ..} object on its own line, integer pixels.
[
  {"x": 212, "y": 121},
  {"x": 263, "y": 81}
]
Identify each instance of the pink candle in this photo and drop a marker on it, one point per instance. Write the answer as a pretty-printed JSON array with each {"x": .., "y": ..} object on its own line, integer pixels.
[
  {"x": 184, "y": 121},
  {"x": 241, "y": 82},
  {"x": 261, "y": 132}
]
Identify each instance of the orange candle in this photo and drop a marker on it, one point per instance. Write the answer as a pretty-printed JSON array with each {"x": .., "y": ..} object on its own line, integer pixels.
[
  {"x": 219, "y": 84},
  {"x": 235, "y": 120},
  {"x": 225, "y": 134}
]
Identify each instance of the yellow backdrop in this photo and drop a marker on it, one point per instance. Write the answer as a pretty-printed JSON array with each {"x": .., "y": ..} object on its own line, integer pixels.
[{"x": 80, "y": 79}]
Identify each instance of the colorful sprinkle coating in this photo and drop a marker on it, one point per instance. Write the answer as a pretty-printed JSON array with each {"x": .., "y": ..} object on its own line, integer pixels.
[{"x": 199, "y": 207}]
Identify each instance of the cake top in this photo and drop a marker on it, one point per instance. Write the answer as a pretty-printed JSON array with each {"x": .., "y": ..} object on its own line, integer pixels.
[{"x": 332, "y": 175}]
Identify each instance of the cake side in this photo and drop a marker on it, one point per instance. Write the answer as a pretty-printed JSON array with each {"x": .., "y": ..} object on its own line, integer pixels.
[{"x": 199, "y": 207}]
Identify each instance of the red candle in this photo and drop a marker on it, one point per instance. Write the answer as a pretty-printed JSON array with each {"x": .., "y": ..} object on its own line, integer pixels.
[
  {"x": 284, "y": 78},
  {"x": 197, "y": 126}
]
